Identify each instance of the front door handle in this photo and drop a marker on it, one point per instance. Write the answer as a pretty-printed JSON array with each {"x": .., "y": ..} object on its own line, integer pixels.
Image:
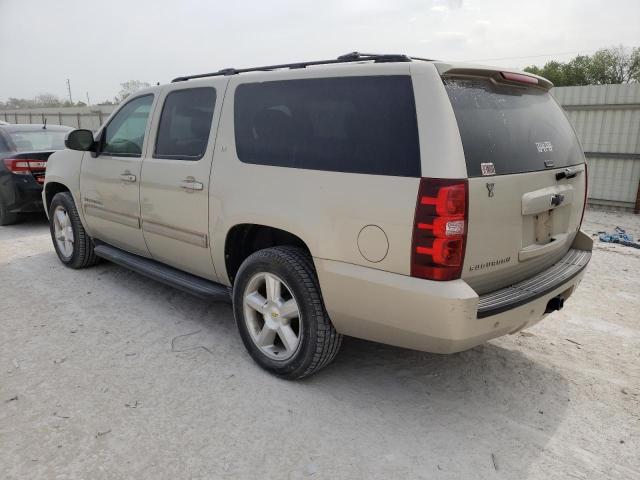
[
  {"x": 190, "y": 184},
  {"x": 128, "y": 177}
]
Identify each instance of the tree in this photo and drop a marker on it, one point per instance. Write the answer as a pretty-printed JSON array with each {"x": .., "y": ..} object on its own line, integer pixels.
[
  {"x": 576, "y": 71},
  {"x": 552, "y": 71},
  {"x": 127, "y": 88},
  {"x": 607, "y": 66},
  {"x": 46, "y": 100}
]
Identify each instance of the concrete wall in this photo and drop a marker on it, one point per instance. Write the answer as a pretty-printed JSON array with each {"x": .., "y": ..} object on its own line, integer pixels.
[
  {"x": 78, "y": 117},
  {"x": 607, "y": 120}
]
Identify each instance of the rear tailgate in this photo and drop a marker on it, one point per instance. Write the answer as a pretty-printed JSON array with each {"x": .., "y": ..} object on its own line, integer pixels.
[{"x": 527, "y": 178}]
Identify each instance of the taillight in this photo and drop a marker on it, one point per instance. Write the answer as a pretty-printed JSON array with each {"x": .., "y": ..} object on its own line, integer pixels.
[
  {"x": 27, "y": 166},
  {"x": 586, "y": 188},
  {"x": 440, "y": 229}
]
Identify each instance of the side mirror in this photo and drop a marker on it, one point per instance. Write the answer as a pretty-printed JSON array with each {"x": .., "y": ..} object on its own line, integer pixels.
[{"x": 80, "y": 139}]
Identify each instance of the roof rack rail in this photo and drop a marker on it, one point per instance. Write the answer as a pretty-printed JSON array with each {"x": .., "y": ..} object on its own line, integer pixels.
[{"x": 346, "y": 58}]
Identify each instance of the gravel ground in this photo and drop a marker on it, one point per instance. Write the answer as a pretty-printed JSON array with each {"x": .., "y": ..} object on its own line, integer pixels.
[{"x": 107, "y": 375}]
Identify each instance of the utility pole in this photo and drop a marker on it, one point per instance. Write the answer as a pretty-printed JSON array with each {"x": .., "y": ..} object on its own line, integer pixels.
[
  {"x": 88, "y": 101},
  {"x": 69, "y": 90}
]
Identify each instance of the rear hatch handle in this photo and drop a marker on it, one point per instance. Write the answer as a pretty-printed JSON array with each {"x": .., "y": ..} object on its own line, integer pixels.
[{"x": 567, "y": 173}]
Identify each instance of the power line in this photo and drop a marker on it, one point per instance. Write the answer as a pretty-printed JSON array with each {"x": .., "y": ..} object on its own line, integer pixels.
[{"x": 526, "y": 56}]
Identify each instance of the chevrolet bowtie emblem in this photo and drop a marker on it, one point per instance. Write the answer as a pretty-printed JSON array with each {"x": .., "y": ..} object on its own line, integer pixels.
[{"x": 490, "y": 188}]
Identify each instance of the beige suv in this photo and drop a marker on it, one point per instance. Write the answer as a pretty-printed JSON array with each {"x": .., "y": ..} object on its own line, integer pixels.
[{"x": 411, "y": 202}]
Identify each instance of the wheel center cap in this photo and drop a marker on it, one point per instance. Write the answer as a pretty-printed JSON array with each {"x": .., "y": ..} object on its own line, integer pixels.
[{"x": 273, "y": 315}]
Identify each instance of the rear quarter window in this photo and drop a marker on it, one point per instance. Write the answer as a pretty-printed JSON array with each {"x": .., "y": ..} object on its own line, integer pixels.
[
  {"x": 517, "y": 129},
  {"x": 347, "y": 124}
]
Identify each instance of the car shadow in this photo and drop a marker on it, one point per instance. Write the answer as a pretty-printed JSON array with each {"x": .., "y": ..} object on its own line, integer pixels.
[
  {"x": 492, "y": 401},
  {"x": 27, "y": 225}
]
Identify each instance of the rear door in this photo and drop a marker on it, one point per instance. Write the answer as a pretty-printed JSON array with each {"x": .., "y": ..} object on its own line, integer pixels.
[
  {"x": 110, "y": 179},
  {"x": 175, "y": 178},
  {"x": 527, "y": 178}
]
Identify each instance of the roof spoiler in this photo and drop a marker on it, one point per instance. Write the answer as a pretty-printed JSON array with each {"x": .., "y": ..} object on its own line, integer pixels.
[{"x": 497, "y": 74}]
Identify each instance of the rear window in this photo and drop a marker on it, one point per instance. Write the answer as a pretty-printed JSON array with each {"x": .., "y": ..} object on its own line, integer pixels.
[
  {"x": 34, "y": 140},
  {"x": 348, "y": 124},
  {"x": 517, "y": 129}
]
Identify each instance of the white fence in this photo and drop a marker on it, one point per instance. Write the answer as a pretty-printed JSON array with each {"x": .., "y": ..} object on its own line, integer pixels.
[
  {"x": 607, "y": 120},
  {"x": 77, "y": 117}
]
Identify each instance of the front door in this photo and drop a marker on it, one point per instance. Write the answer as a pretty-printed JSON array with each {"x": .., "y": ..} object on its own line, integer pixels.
[
  {"x": 174, "y": 191},
  {"x": 110, "y": 178}
]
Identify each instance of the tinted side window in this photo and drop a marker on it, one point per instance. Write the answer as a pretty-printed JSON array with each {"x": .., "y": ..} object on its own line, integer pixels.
[
  {"x": 347, "y": 124},
  {"x": 124, "y": 135},
  {"x": 185, "y": 124}
]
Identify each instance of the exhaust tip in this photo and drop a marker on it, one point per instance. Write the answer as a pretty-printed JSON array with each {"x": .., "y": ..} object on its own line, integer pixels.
[{"x": 555, "y": 304}]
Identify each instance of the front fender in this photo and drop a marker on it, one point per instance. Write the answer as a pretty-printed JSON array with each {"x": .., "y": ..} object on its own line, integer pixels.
[{"x": 63, "y": 169}]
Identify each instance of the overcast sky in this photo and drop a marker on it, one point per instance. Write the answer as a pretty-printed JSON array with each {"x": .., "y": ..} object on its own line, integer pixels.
[{"x": 99, "y": 44}]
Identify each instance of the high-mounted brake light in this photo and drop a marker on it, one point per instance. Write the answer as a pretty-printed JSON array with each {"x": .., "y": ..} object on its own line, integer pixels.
[
  {"x": 519, "y": 77},
  {"x": 440, "y": 229}
]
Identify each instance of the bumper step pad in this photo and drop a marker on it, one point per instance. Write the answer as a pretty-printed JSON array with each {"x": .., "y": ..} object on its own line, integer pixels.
[{"x": 544, "y": 282}]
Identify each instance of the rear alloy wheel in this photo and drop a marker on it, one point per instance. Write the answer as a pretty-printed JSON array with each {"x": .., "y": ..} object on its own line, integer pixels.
[
  {"x": 280, "y": 313},
  {"x": 272, "y": 316},
  {"x": 70, "y": 240}
]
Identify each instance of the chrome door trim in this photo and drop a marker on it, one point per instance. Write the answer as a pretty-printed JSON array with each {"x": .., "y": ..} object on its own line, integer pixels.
[
  {"x": 112, "y": 216},
  {"x": 188, "y": 236}
]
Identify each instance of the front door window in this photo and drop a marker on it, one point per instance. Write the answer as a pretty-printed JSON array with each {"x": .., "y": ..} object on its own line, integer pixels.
[{"x": 124, "y": 135}]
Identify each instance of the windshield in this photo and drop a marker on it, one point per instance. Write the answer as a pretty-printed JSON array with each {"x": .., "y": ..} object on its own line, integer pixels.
[
  {"x": 510, "y": 129},
  {"x": 35, "y": 140}
]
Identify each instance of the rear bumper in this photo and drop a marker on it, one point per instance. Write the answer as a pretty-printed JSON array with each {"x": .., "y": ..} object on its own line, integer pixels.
[
  {"x": 439, "y": 317},
  {"x": 21, "y": 193}
]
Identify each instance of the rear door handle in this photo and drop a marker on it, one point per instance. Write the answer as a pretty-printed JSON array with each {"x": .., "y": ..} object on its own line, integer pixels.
[
  {"x": 128, "y": 177},
  {"x": 190, "y": 185}
]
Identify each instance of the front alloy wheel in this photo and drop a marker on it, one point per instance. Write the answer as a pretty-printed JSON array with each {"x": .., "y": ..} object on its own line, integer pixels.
[
  {"x": 63, "y": 232},
  {"x": 70, "y": 240}
]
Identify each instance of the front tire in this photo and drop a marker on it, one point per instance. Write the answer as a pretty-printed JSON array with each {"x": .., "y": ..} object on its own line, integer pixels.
[
  {"x": 280, "y": 314},
  {"x": 70, "y": 240}
]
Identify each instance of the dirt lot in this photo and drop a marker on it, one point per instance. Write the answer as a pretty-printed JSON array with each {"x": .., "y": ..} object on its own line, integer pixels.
[{"x": 105, "y": 374}]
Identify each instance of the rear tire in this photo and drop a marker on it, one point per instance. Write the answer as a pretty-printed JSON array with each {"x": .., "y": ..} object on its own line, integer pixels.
[
  {"x": 285, "y": 328},
  {"x": 70, "y": 240},
  {"x": 6, "y": 217}
]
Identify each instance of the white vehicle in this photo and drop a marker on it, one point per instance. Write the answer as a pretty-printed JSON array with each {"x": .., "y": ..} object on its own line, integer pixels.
[{"x": 417, "y": 203}]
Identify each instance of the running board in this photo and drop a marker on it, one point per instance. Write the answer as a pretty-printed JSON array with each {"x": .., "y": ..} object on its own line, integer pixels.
[{"x": 162, "y": 273}]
